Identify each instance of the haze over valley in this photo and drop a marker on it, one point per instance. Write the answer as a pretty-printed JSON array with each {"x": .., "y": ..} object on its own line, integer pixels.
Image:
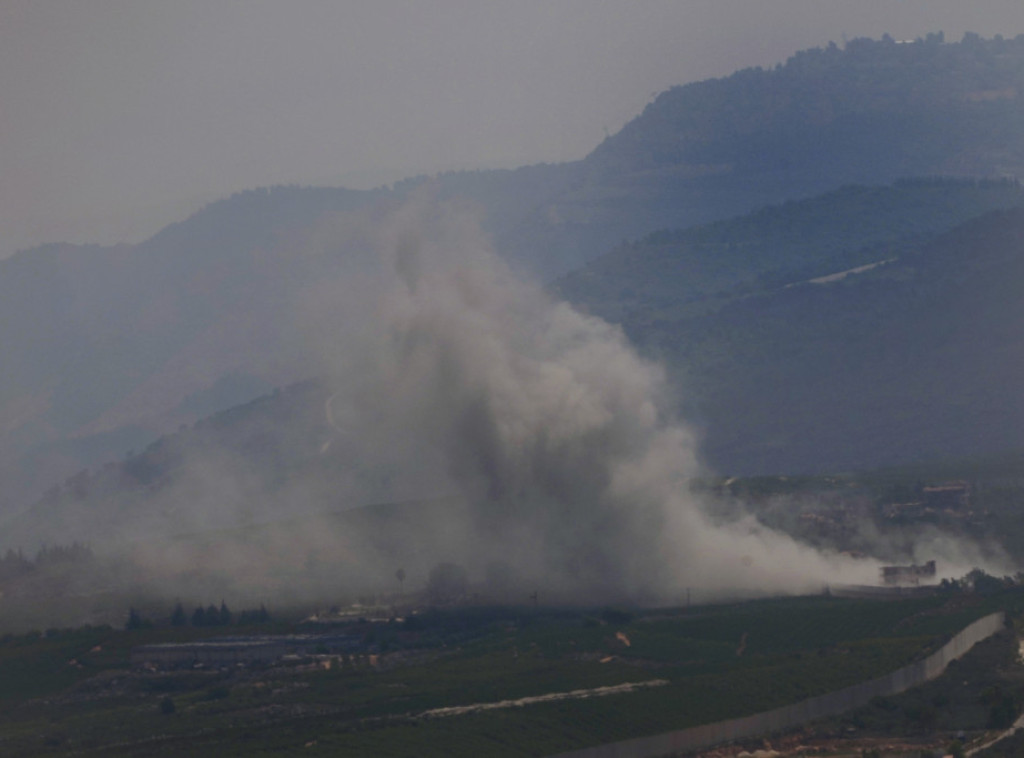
[
  {"x": 511, "y": 380},
  {"x": 816, "y": 276}
]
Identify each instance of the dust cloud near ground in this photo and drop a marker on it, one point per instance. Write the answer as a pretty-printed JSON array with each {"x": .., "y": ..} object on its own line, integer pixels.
[
  {"x": 542, "y": 449},
  {"x": 455, "y": 376}
]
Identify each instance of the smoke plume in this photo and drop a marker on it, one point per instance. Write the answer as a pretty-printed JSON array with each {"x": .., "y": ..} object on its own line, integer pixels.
[
  {"x": 455, "y": 375},
  {"x": 539, "y": 451}
]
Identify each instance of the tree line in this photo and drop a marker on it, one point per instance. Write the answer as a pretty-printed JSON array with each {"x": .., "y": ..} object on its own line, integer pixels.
[
  {"x": 15, "y": 564},
  {"x": 209, "y": 616}
]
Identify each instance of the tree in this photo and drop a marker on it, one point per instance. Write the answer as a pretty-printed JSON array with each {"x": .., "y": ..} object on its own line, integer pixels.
[
  {"x": 400, "y": 576},
  {"x": 178, "y": 617},
  {"x": 982, "y": 583},
  {"x": 250, "y": 616},
  {"x": 135, "y": 620}
]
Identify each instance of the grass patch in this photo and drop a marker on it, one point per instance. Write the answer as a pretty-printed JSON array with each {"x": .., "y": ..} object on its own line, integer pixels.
[{"x": 792, "y": 649}]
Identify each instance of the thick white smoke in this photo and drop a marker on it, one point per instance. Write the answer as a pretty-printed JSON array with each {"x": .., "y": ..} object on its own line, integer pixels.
[
  {"x": 543, "y": 452},
  {"x": 454, "y": 374}
]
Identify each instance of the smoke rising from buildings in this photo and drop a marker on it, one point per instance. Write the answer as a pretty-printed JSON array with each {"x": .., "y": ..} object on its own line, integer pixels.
[
  {"x": 458, "y": 376},
  {"x": 541, "y": 450}
]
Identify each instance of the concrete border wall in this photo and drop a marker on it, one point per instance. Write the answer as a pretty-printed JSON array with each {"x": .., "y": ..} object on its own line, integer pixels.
[{"x": 831, "y": 704}]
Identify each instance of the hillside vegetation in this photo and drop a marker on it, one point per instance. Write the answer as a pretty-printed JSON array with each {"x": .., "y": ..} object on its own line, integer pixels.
[
  {"x": 872, "y": 106},
  {"x": 703, "y": 267},
  {"x": 107, "y": 348},
  {"x": 789, "y": 369},
  {"x": 867, "y": 113},
  {"x": 75, "y": 691}
]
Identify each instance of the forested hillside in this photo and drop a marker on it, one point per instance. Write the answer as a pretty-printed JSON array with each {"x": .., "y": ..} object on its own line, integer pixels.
[
  {"x": 868, "y": 113},
  {"x": 918, "y": 358},
  {"x": 107, "y": 348},
  {"x": 872, "y": 106},
  {"x": 701, "y": 268}
]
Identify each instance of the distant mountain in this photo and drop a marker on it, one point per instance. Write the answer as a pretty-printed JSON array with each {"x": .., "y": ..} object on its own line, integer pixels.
[
  {"x": 851, "y": 330},
  {"x": 253, "y": 501},
  {"x": 106, "y": 348},
  {"x": 870, "y": 107},
  {"x": 674, "y": 272},
  {"x": 225, "y": 470},
  {"x": 920, "y": 357},
  {"x": 867, "y": 113}
]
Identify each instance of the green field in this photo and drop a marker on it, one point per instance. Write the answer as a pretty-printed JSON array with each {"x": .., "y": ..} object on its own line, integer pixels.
[{"x": 74, "y": 692}]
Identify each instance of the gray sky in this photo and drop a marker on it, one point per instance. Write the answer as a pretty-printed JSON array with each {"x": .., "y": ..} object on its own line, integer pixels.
[{"x": 119, "y": 116}]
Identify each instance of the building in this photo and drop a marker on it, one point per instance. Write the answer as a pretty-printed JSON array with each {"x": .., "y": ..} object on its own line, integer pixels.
[{"x": 901, "y": 576}]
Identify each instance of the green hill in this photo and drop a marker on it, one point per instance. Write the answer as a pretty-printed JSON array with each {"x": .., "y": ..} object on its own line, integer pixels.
[
  {"x": 702, "y": 267},
  {"x": 107, "y": 348},
  {"x": 471, "y": 681},
  {"x": 868, "y": 113},
  {"x": 916, "y": 359},
  {"x": 872, "y": 106}
]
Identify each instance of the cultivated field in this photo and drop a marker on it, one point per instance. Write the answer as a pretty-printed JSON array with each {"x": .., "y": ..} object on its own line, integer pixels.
[{"x": 74, "y": 691}]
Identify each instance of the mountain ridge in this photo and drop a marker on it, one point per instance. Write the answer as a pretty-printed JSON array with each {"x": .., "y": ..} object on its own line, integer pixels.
[{"x": 104, "y": 345}]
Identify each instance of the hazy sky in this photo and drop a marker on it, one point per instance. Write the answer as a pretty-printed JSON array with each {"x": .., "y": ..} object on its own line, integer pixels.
[{"x": 119, "y": 116}]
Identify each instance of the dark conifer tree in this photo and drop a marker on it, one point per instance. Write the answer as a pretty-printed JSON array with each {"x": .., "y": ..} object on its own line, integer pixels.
[{"x": 135, "y": 620}]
